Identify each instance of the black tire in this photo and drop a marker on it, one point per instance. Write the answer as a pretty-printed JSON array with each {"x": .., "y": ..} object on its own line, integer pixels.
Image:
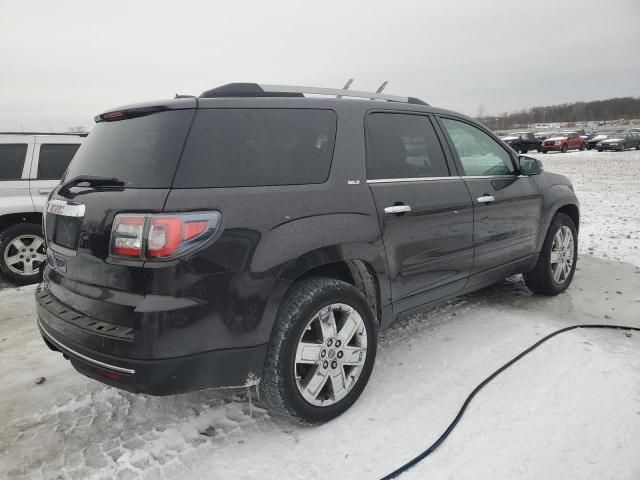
[
  {"x": 544, "y": 150},
  {"x": 278, "y": 384},
  {"x": 565, "y": 148},
  {"x": 582, "y": 147},
  {"x": 623, "y": 147},
  {"x": 523, "y": 151},
  {"x": 540, "y": 279},
  {"x": 638, "y": 147},
  {"x": 10, "y": 234}
]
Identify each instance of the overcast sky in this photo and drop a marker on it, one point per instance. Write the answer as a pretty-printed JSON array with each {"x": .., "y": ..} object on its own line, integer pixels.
[{"x": 61, "y": 62}]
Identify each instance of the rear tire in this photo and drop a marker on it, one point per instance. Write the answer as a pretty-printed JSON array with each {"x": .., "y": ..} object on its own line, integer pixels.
[
  {"x": 310, "y": 341},
  {"x": 557, "y": 262},
  {"x": 523, "y": 151},
  {"x": 22, "y": 253}
]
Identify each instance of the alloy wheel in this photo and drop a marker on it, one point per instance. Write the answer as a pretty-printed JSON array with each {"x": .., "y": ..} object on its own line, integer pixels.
[
  {"x": 24, "y": 255},
  {"x": 330, "y": 355},
  {"x": 562, "y": 253}
]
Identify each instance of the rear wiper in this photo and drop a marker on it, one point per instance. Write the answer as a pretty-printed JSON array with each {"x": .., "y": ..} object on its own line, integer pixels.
[{"x": 91, "y": 180}]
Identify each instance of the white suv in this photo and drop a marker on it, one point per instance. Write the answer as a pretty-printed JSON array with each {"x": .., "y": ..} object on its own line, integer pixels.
[{"x": 31, "y": 165}]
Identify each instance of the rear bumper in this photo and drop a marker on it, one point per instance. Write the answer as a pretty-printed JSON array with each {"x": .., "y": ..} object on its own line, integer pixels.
[{"x": 159, "y": 376}]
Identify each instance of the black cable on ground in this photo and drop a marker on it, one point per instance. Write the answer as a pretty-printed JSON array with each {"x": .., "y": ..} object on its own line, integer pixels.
[{"x": 466, "y": 403}]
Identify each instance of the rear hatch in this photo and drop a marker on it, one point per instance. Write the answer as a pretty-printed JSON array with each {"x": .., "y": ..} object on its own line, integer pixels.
[{"x": 139, "y": 150}]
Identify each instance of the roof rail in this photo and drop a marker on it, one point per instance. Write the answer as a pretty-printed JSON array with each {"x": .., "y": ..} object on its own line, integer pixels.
[
  {"x": 262, "y": 90},
  {"x": 78, "y": 134}
]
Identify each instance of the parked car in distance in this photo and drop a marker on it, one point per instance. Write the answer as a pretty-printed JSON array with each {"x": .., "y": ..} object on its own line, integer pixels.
[
  {"x": 31, "y": 165},
  {"x": 253, "y": 240},
  {"x": 593, "y": 141},
  {"x": 620, "y": 142},
  {"x": 544, "y": 135},
  {"x": 523, "y": 142},
  {"x": 564, "y": 142}
]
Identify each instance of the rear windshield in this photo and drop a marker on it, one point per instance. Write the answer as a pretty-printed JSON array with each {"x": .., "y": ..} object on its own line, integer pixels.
[
  {"x": 142, "y": 152},
  {"x": 254, "y": 147}
]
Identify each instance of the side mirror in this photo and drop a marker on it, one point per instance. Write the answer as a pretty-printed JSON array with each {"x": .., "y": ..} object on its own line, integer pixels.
[{"x": 529, "y": 165}]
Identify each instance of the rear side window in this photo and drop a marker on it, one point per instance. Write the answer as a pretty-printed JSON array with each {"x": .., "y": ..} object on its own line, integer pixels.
[
  {"x": 142, "y": 152},
  {"x": 254, "y": 147},
  {"x": 54, "y": 159},
  {"x": 403, "y": 146},
  {"x": 12, "y": 161}
]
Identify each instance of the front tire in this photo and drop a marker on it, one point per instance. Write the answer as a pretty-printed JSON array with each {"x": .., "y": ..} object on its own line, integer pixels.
[
  {"x": 557, "y": 262},
  {"x": 321, "y": 353},
  {"x": 22, "y": 253},
  {"x": 565, "y": 148}
]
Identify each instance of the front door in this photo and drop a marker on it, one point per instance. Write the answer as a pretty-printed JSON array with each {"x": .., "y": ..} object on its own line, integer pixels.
[
  {"x": 506, "y": 205},
  {"x": 425, "y": 213}
]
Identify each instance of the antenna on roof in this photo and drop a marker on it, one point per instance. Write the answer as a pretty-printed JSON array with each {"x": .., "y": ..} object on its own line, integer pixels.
[
  {"x": 382, "y": 87},
  {"x": 346, "y": 86}
]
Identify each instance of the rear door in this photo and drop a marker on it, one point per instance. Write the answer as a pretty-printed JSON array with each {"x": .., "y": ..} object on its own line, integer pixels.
[
  {"x": 51, "y": 158},
  {"x": 507, "y": 206},
  {"x": 424, "y": 208},
  {"x": 15, "y": 160}
]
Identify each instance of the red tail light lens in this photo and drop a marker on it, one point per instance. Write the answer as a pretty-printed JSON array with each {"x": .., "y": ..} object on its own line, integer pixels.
[
  {"x": 161, "y": 236},
  {"x": 126, "y": 237},
  {"x": 165, "y": 236}
]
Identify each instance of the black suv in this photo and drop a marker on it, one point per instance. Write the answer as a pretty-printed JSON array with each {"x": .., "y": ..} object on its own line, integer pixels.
[{"x": 258, "y": 235}]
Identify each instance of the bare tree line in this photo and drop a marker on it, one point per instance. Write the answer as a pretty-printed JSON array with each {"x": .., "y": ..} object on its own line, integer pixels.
[{"x": 597, "y": 110}]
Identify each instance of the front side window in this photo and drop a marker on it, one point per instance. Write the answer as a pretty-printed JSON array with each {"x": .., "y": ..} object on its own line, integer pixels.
[
  {"x": 54, "y": 159},
  {"x": 235, "y": 147},
  {"x": 12, "y": 161},
  {"x": 403, "y": 146},
  {"x": 479, "y": 153}
]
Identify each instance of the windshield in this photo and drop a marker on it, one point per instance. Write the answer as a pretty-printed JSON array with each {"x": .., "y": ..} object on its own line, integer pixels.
[{"x": 142, "y": 152}]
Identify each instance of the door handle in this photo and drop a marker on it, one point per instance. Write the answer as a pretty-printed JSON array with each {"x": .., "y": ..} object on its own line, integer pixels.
[
  {"x": 397, "y": 209},
  {"x": 45, "y": 191},
  {"x": 486, "y": 199}
]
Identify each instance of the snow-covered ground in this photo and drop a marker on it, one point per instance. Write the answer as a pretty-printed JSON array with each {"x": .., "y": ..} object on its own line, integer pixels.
[{"x": 569, "y": 410}]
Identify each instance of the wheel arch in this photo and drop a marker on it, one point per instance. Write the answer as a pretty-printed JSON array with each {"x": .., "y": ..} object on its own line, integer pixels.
[
  {"x": 366, "y": 272},
  {"x": 23, "y": 217}
]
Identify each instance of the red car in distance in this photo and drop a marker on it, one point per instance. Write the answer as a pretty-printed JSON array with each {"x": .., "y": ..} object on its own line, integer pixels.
[{"x": 564, "y": 142}]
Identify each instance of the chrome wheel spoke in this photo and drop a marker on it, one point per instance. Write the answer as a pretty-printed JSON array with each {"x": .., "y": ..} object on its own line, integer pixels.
[
  {"x": 308, "y": 353},
  {"x": 354, "y": 356},
  {"x": 28, "y": 268},
  {"x": 317, "y": 383},
  {"x": 327, "y": 321},
  {"x": 555, "y": 256},
  {"x": 350, "y": 327},
  {"x": 18, "y": 244},
  {"x": 13, "y": 260},
  {"x": 36, "y": 244},
  {"x": 339, "y": 384}
]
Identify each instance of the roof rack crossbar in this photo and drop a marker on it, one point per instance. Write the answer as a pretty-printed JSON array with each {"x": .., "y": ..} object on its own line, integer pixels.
[{"x": 333, "y": 92}]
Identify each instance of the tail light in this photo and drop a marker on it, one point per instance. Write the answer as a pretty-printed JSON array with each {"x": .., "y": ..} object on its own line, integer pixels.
[{"x": 161, "y": 236}]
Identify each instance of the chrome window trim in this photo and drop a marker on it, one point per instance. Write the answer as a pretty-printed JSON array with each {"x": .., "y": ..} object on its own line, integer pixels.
[
  {"x": 84, "y": 357},
  {"x": 486, "y": 177},
  {"x": 415, "y": 179}
]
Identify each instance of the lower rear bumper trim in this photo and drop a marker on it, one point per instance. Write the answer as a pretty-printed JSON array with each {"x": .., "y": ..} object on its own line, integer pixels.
[{"x": 74, "y": 353}]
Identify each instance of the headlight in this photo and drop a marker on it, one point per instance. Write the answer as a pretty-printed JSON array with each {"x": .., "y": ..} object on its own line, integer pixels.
[{"x": 557, "y": 142}]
